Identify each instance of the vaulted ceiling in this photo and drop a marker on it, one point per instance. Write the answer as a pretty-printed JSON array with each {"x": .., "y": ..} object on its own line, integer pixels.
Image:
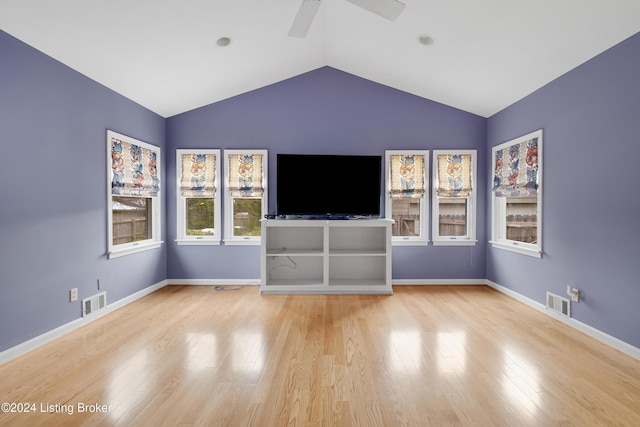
[{"x": 163, "y": 54}]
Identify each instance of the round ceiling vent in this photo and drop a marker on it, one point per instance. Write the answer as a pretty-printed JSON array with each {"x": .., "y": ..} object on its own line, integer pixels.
[
  {"x": 425, "y": 39},
  {"x": 223, "y": 41}
]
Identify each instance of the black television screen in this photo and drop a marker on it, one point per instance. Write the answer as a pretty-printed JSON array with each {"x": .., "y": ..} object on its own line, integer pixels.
[{"x": 328, "y": 185}]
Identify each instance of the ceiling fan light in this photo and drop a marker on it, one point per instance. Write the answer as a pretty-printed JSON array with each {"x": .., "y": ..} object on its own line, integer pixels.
[{"x": 388, "y": 9}]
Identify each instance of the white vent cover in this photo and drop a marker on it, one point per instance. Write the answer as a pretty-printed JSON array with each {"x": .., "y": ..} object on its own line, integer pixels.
[
  {"x": 92, "y": 304},
  {"x": 558, "y": 304}
]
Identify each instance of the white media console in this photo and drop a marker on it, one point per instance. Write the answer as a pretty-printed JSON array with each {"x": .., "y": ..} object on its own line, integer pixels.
[{"x": 326, "y": 256}]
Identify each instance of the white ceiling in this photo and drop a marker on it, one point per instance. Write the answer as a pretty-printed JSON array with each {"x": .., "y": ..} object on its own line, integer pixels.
[{"x": 162, "y": 54}]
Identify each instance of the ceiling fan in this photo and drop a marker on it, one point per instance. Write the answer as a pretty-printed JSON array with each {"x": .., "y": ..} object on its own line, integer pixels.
[{"x": 389, "y": 9}]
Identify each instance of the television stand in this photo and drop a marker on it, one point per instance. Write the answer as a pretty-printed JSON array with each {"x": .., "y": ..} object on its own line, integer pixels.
[{"x": 326, "y": 257}]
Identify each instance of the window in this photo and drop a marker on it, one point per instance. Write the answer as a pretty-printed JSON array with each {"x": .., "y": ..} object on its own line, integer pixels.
[
  {"x": 406, "y": 200},
  {"x": 245, "y": 195},
  {"x": 454, "y": 197},
  {"x": 133, "y": 200},
  {"x": 198, "y": 197},
  {"x": 517, "y": 195}
]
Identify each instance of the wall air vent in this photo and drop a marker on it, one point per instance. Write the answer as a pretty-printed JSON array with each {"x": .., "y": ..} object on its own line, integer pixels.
[
  {"x": 95, "y": 303},
  {"x": 558, "y": 304}
]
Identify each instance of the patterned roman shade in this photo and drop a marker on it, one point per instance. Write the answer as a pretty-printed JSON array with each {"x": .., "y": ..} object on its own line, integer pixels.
[
  {"x": 454, "y": 175},
  {"x": 246, "y": 175},
  {"x": 516, "y": 170},
  {"x": 133, "y": 170},
  {"x": 407, "y": 176},
  {"x": 198, "y": 175}
]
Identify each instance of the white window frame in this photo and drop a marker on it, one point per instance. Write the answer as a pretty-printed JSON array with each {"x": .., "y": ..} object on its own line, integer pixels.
[
  {"x": 115, "y": 251},
  {"x": 181, "y": 203},
  {"x": 423, "y": 238},
  {"x": 229, "y": 238},
  {"x": 499, "y": 206},
  {"x": 470, "y": 238}
]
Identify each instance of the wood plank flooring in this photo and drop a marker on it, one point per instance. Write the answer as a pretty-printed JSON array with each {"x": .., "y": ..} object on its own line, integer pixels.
[{"x": 426, "y": 356}]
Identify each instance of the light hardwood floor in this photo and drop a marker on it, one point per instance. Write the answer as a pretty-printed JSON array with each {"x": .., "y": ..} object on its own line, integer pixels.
[{"x": 426, "y": 356}]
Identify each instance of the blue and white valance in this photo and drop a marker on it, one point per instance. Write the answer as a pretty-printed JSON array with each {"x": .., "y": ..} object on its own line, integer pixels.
[
  {"x": 246, "y": 175},
  {"x": 454, "y": 175},
  {"x": 407, "y": 176},
  {"x": 198, "y": 175},
  {"x": 134, "y": 170},
  {"x": 516, "y": 170}
]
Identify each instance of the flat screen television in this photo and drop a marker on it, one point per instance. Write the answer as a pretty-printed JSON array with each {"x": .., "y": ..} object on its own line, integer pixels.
[{"x": 333, "y": 186}]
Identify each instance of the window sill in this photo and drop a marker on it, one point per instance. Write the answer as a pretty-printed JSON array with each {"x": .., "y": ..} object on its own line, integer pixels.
[
  {"x": 246, "y": 241},
  {"x": 517, "y": 247},
  {"x": 455, "y": 242},
  {"x": 408, "y": 242},
  {"x": 197, "y": 242},
  {"x": 133, "y": 248}
]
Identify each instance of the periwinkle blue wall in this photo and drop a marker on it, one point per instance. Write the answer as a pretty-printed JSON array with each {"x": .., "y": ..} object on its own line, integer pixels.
[
  {"x": 591, "y": 199},
  {"x": 53, "y": 214},
  {"x": 325, "y": 111}
]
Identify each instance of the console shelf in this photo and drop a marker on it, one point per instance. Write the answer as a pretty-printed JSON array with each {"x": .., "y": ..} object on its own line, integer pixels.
[{"x": 326, "y": 257}]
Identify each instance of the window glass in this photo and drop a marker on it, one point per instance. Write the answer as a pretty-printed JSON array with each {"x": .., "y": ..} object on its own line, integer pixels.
[
  {"x": 131, "y": 219},
  {"x": 406, "y": 214},
  {"x": 521, "y": 219},
  {"x": 200, "y": 217},
  {"x": 246, "y": 216},
  {"x": 452, "y": 217}
]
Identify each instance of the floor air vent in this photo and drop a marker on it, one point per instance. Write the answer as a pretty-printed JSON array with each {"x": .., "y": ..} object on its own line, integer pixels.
[
  {"x": 558, "y": 304},
  {"x": 92, "y": 304}
]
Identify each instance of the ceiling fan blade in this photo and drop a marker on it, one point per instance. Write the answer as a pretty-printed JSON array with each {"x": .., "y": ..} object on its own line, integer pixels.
[
  {"x": 389, "y": 9},
  {"x": 304, "y": 18}
]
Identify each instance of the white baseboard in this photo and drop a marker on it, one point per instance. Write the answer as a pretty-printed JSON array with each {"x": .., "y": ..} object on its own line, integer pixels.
[
  {"x": 431, "y": 282},
  {"x": 399, "y": 282},
  {"x": 35, "y": 342},
  {"x": 214, "y": 282},
  {"x": 240, "y": 282},
  {"x": 576, "y": 324}
]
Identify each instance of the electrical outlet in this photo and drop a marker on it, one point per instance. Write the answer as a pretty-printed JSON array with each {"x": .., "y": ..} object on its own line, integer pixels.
[
  {"x": 575, "y": 295},
  {"x": 73, "y": 295}
]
